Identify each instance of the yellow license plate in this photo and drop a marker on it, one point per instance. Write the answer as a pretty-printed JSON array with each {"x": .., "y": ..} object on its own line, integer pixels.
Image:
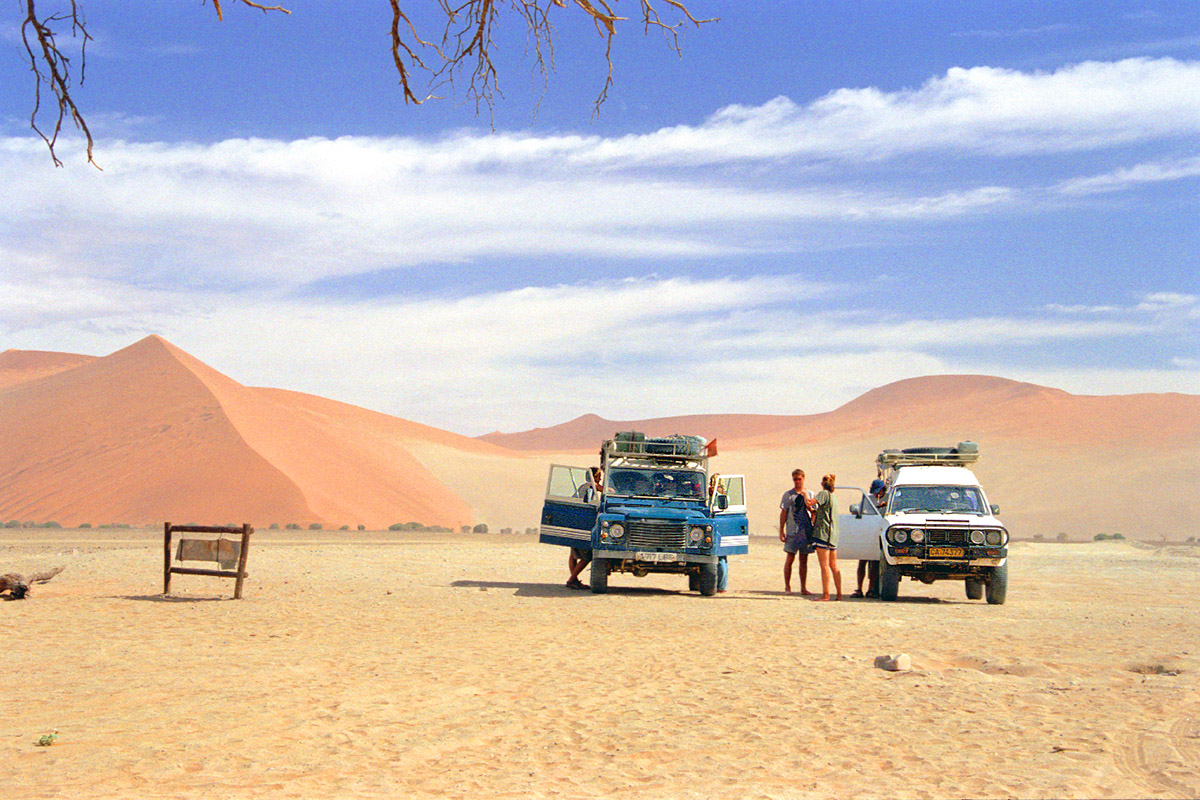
[{"x": 946, "y": 552}]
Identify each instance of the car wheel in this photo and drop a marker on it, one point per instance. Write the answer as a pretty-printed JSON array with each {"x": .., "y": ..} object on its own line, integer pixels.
[
  {"x": 974, "y": 588},
  {"x": 694, "y": 581},
  {"x": 889, "y": 580},
  {"x": 599, "y": 575},
  {"x": 708, "y": 579},
  {"x": 997, "y": 585}
]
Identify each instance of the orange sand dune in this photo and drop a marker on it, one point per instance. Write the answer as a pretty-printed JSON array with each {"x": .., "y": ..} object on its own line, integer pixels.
[
  {"x": 975, "y": 405},
  {"x": 19, "y": 366},
  {"x": 150, "y": 433}
]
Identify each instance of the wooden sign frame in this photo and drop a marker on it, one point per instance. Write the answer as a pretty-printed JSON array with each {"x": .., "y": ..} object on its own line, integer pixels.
[{"x": 239, "y": 574}]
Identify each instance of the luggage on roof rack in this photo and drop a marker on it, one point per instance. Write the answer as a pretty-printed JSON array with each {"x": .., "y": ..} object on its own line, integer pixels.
[
  {"x": 636, "y": 443},
  {"x": 676, "y": 445},
  {"x": 628, "y": 441},
  {"x": 960, "y": 455}
]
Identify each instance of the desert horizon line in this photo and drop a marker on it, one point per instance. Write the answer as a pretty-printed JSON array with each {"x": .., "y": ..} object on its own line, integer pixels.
[{"x": 498, "y": 433}]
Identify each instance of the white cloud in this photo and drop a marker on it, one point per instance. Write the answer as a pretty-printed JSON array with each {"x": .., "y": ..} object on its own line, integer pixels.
[
  {"x": 977, "y": 110},
  {"x": 1158, "y": 301},
  {"x": 1080, "y": 309},
  {"x": 625, "y": 349},
  {"x": 1127, "y": 177},
  {"x": 286, "y": 213},
  {"x": 1093, "y": 104}
]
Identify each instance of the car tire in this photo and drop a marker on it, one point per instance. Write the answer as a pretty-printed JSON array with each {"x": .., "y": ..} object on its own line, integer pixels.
[
  {"x": 707, "y": 579},
  {"x": 974, "y": 588},
  {"x": 889, "y": 580},
  {"x": 599, "y": 575},
  {"x": 997, "y": 585},
  {"x": 694, "y": 581}
]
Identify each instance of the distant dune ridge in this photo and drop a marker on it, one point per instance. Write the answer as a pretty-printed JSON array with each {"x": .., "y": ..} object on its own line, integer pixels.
[
  {"x": 19, "y": 366},
  {"x": 977, "y": 403},
  {"x": 150, "y": 433}
]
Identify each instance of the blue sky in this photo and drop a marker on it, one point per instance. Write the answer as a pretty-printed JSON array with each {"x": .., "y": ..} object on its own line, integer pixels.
[{"x": 812, "y": 200}]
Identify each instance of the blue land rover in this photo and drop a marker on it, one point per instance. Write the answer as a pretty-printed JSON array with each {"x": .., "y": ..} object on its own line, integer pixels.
[{"x": 656, "y": 508}]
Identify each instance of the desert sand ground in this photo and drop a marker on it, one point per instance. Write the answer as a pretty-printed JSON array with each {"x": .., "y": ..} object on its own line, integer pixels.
[{"x": 388, "y": 665}]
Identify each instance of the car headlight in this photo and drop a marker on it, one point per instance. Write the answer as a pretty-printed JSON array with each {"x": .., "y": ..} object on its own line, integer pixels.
[
  {"x": 995, "y": 537},
  {"x": 977, "y": 537},
  {"x": 695, "y": 535},
  {"x": 616, "y": 530},
  {"x": 918, "y": 536},
  {"x": 900, "y": 537}
]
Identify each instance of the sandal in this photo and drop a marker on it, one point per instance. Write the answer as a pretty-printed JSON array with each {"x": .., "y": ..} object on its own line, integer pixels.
[{"x": 857, "y": 593}]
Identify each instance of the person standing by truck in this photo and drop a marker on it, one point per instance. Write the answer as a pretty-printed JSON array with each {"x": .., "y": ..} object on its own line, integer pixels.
[
  {"x": 825, "y": 536},
  {"x": 795, "y": 529},
  {"x": 579, "y": 557},
  {"x": 877, "y": 494}
]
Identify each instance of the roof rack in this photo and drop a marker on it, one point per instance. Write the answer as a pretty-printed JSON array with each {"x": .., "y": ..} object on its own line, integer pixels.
[
  {"x": 635, "y": 444},
  {"x": 961, "y": 455}
]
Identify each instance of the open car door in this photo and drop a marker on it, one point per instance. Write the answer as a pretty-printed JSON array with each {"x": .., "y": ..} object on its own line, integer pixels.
[
  {"x": 858, "y": 531},
  {"x": 570, "y": 508},
  {"x": 728, "y": 504}
]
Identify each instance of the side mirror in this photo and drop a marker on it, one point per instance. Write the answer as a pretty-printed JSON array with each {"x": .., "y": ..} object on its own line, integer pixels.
[
  {"x": 995, "y": 510},
  {"x": 722, "y": 502},
  {"x": 856, "y": 510}
]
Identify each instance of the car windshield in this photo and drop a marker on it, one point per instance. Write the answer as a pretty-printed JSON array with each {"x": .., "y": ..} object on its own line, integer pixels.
[
  {"x": 937, "y": 499},
  {"x": 656, "y": 483}
]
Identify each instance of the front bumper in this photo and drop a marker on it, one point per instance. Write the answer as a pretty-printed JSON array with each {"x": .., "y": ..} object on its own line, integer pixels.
[
  {"x": 916, "y": 561},
  {"x": 640, "y": 556}
]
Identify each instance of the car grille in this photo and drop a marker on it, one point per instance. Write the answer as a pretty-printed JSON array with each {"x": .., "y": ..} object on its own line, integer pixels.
[
  {"x": 657, "y": 534},
  {"x": 945, "y": 537}
]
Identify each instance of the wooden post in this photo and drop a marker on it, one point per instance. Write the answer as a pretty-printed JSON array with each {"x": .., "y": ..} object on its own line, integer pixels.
[
  {"x": 241, "y": 567},
  {"x": 166, "y": 558}
]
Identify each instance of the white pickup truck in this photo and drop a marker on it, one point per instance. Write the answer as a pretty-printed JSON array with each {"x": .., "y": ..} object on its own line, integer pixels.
[{"x": 933, "y": 522}]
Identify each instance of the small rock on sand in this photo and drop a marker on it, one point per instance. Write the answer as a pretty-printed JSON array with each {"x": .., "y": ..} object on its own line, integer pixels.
[{"x": 898, "y": 663}]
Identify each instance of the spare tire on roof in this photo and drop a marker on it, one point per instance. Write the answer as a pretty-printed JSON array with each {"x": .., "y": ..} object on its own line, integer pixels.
[{"x": 929, "y": 451}]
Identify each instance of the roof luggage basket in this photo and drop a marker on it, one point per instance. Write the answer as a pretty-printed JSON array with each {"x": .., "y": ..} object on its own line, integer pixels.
[
  {"x": 635, "y": 443},
  {"x": 962, "y": 454}
]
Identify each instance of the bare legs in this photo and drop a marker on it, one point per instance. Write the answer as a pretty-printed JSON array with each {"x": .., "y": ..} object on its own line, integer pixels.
[
  {"x": 829, "y": 569},
  {"x": 803, "y": 570},
  {"x": 577, "y": 566}
]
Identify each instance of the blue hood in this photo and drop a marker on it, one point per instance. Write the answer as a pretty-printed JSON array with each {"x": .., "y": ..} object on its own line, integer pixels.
[{"x": 657, "y": 509}]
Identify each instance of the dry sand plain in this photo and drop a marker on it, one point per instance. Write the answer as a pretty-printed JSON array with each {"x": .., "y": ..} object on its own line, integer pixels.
[{"x": 394, "y": 665}]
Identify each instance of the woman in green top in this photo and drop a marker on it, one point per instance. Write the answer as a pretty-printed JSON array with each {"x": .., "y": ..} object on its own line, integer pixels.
[{"x": 825, "y": 536}]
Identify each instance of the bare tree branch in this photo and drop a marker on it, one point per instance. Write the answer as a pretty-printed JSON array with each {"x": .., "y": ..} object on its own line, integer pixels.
[
  {"x": 466, "y": 49},
  {"x": 252, "y": 4},
  {"x": 51, "y": 67}
]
